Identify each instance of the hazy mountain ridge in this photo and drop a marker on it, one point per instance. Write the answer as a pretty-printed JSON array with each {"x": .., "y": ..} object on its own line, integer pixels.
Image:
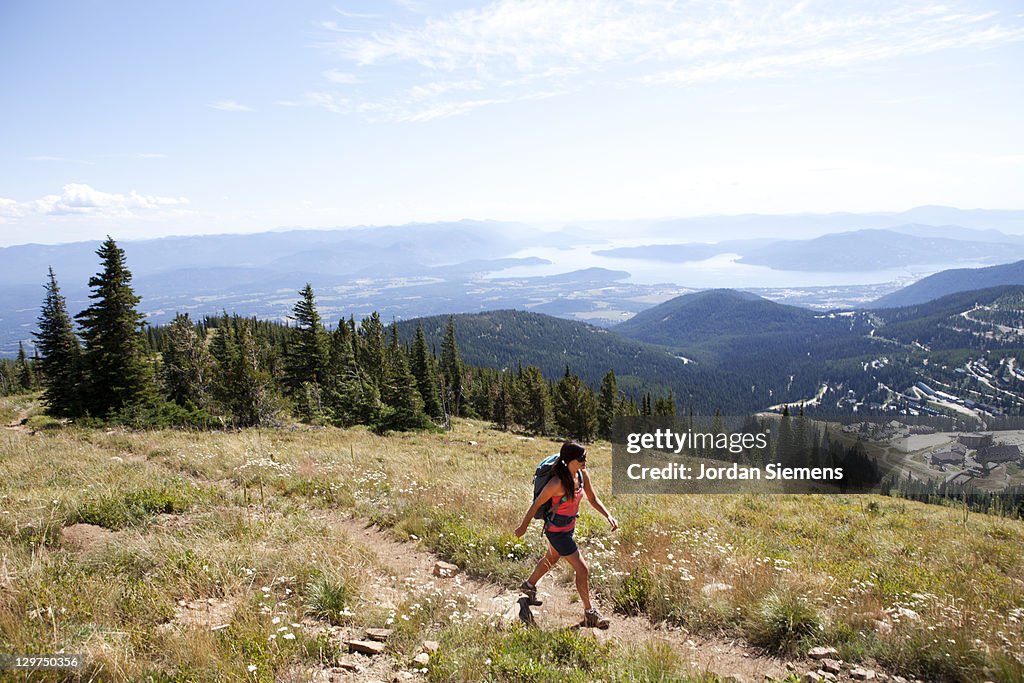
[
  {"x": 426, "y": 269},
  {"x": 952, "y": 281},
  {"x": 735, "y": 362},
  {"x": 860, "y": 250}
]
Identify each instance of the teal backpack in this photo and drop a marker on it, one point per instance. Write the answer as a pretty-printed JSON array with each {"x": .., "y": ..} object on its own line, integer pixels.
[{"x": 543, "y": 474}]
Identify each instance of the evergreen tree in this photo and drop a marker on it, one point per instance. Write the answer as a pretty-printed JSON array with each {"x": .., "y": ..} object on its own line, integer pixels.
[
  {"x": 307, "y": 356},
  {"x": 575, "y": 408},
  {"x": 403, "y": 407},
  {"x": 60, "y": 356},
  {"x": 118, "y": 373},
  {"x": 370, "y": 348},
  {"x": 451, "y": 372},
  {"x": 26, "y": 378},
  {"x": 534, "y": 411},
  {"x": 424, "y": 369},
  {"x": 665, "y": 406},
  {"x": 252, "y": 401},
  {"x": 223, "y": 348},
  {"x": 187, "y": 370},
  {"x": 801, "y": 447},
  {"x": 350, "y": 396},
  {"x": 785, "y": 447},
  {"x": 607, "y": 405},
  {"x": 503, "y": 411},
  {"x": 627, "y": 407}
]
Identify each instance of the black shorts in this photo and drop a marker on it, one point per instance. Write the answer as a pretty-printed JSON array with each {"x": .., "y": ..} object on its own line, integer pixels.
[{"x": 562, "y": 541}]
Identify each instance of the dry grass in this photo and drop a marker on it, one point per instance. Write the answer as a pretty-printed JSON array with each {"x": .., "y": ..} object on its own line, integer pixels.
[{"x": 232, "y": 517}]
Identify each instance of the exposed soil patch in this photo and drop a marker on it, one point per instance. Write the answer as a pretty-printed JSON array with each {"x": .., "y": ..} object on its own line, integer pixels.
[
  {"x": 209, "y": 613},
  {"x": 85, "y": 537}
]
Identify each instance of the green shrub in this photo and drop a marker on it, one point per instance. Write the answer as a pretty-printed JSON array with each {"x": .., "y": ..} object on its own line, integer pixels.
[
  {"x": 781, "y": 620},
  {"x": 329, "y": 598},
  {"x": 120, "y": 510},
  {"x": 633, "y": 596}
]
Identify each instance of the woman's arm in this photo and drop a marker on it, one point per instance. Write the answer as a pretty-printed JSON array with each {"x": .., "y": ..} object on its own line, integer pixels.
[
  {"x": 596, "y": 502},
  {"x": 551, "y": 489}
]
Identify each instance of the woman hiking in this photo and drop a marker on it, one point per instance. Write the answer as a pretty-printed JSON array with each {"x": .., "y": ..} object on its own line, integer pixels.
[{"x": 569, "y": 481}]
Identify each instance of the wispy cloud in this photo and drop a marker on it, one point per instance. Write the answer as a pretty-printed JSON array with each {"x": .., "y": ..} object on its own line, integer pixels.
[
  {"x": 229, "y": 105},
  {"x": 134, "y": 155},
  {"x": 340, "y": 77},
  {"x": 63, "y": 160},
  {"x": 81, "y": 199},
  {"x": 512, "y": 49}
]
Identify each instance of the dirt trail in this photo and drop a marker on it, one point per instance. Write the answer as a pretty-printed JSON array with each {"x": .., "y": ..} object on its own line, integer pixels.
[
  {"x": 20, "y": 423},
  {"x": 409, "y": 564}
]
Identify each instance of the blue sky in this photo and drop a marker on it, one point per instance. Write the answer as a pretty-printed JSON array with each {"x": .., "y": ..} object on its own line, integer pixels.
[{"x": 141, "y": 119}]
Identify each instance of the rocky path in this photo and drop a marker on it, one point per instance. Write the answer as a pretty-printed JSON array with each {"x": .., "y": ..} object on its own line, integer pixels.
[
  {"x": 20, "y": 423},
  {"x": 407, "y": 565}
]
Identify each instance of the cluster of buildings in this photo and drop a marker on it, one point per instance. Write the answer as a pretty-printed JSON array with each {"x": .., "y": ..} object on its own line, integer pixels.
[{"x": 977, "y": 454}]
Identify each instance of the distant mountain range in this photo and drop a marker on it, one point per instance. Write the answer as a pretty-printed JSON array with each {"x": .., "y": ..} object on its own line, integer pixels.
[
  {"x": 953, "y": 281},
  {"x": 734, "y": 351},
  {"x": 714, "y": 313},
  {"x": 860, "y": 250},
  {"x": 427, "y": 269}
]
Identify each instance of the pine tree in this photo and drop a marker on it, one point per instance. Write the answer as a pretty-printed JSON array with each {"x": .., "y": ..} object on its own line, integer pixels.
[
  {"x": 502, "y": 413},
  {"x": 187, "y": 370},
  {"x": 575, "y": 408},
  {"x": 533, "y": 403},
  {"x": 253, "y": 401},
  {"x": 403, "y": 407},
  {"x": 60, "y": 366},
  {"x": 665, "y": 406},
  {"x": 785, "y": 449},
  {"x": 223, "y": 348},
  {"x": 118, "y": 373},
  {"x": 350, "y": 396},
  {"x": 607, "y": 405},
  {"x": 306, "y": 360},
  {"x": 26, "y": 377},
  {"x": 451, "y": 372},
  {"x": 370, "y": 348},
  {"x": 801, "y": 447},
  {"x": 424, "y": 369},
  {"x": 8, "y": 378}
]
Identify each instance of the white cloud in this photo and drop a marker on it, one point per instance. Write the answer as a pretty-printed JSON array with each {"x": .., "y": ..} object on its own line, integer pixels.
[
  {"x": 508, "y": 48},
  {"x": 229, "y": 105},
  {"x": 135, "y": 155},
  {"x": 61, "y": 160},
  {"x": 341, "y": 77},
  {"x": 80, "y": 199}
]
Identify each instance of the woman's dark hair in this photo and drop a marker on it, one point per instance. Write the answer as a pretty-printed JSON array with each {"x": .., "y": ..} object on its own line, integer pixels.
[{"x": 570, "y": 451}]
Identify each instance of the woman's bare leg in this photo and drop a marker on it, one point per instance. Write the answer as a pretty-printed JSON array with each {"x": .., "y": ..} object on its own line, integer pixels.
[
  {"x": 544, "y": 566},
  {"x": 582, "y": 577}
]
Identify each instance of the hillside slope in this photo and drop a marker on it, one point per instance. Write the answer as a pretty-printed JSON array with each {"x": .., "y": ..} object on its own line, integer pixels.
[{"x": 952, "y": 281}]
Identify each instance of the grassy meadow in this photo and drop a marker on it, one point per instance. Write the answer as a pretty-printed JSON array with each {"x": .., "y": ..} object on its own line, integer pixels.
[{"x": 241, "y": 520}]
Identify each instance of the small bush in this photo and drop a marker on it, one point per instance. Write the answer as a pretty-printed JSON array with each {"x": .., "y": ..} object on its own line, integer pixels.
[
  {"x": 781, "y": 620},
  {"x": 329, "y": 598},
  {"x": 118, "y": 511},
  {"x": 41, "y": 422},
  {"x": 633, "y": 596}
]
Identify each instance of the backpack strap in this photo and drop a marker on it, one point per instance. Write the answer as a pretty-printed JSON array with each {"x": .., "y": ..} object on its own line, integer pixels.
[{"x": 553, "y": 519}]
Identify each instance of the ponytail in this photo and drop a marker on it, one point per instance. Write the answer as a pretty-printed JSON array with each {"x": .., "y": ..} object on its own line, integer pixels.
[{"x": 570, "y": 451}]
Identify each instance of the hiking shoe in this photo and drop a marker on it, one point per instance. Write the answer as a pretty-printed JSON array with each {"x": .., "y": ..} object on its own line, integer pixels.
[
  {"x": 530, "y": 592},
  {"x": 593, "y": 619},
  {"x": 525, "y": 615}
]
